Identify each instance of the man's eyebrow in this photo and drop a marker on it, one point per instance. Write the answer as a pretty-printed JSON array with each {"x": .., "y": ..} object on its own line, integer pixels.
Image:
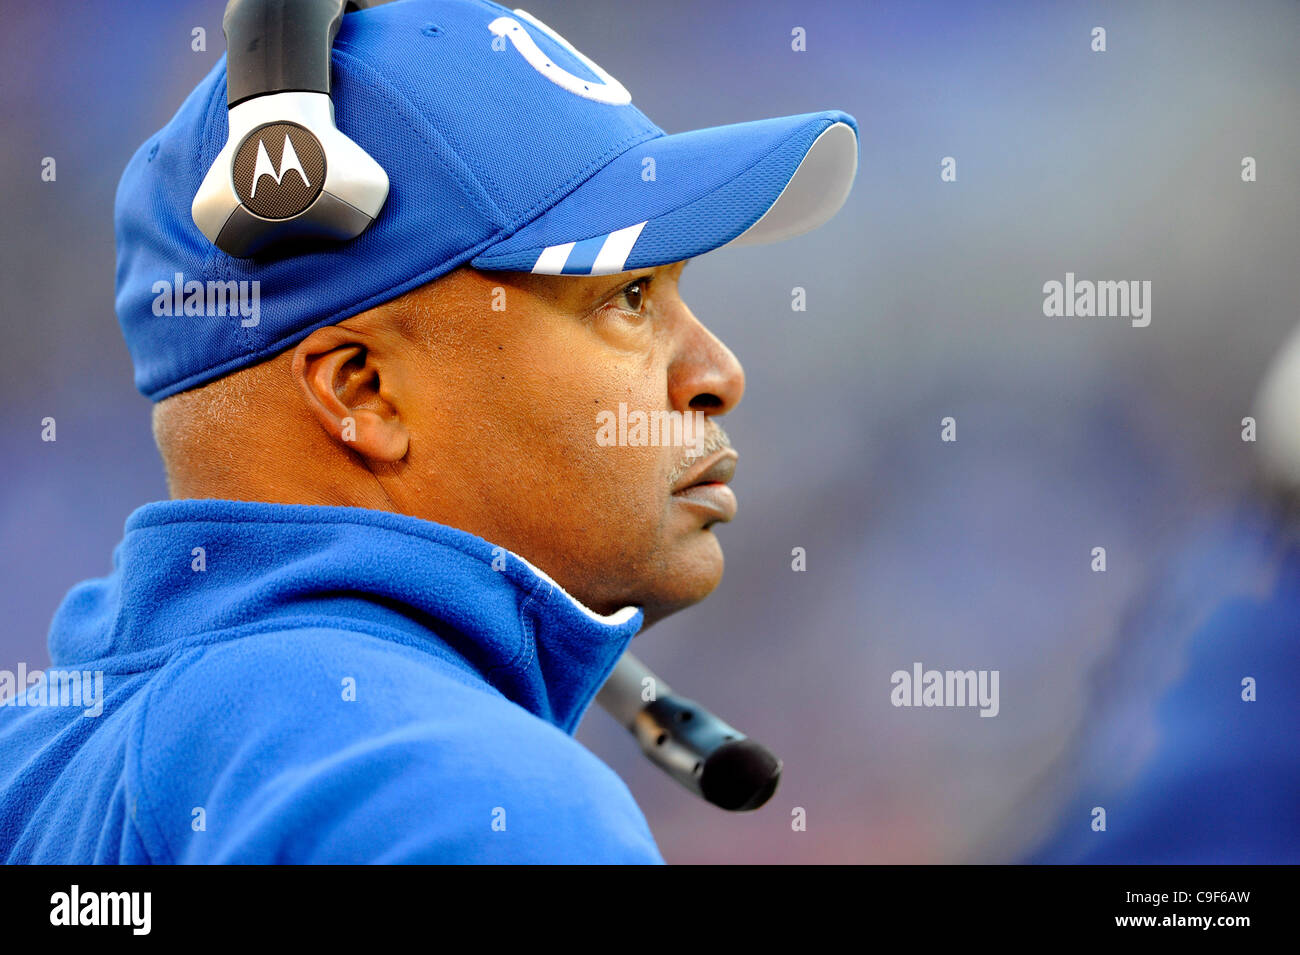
[
  {"x": 650, "y": 271},
  {"x": 621, "y": 280}
]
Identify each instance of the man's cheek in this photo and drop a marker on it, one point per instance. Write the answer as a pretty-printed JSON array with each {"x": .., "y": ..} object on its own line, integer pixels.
[{"x": 634, "y": 494}]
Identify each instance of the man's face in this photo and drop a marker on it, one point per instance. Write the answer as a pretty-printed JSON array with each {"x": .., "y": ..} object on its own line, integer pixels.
[{"x": 517, "y": 435}]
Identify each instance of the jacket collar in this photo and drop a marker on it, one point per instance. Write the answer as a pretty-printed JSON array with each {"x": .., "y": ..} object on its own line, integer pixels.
[{"x": 186, "y": 571}]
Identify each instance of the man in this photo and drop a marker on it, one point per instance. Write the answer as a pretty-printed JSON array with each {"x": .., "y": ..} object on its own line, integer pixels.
[{"x": 406, "y": 546}]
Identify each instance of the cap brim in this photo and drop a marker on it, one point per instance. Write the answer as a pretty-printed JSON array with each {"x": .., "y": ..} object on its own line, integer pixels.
[{"x": 676, "y": 197}]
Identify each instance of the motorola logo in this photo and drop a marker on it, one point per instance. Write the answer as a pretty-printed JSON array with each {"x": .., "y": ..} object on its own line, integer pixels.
[
  {"x": 279, "y": 170},
  {"x": 288, "y": 163}
]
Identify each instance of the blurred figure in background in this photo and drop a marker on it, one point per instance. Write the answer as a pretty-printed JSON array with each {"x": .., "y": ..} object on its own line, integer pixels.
[{"x": 1193, "y": 752}]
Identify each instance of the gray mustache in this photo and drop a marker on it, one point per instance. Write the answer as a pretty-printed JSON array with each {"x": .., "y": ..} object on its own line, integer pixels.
[{"x": 716, "y": 441}]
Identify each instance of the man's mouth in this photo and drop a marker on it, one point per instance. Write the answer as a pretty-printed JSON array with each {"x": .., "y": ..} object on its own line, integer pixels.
[{"x": 704, "y": 486}]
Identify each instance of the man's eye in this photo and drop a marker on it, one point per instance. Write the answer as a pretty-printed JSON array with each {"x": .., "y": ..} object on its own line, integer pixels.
[{"x": 632, "y": 297}]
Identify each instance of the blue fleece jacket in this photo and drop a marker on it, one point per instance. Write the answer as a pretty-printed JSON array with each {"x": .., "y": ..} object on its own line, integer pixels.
[{"x": 298, "y": 684}]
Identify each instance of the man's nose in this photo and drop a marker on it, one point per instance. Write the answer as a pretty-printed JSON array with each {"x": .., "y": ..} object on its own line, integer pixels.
[{"x": 704, "y": 375}]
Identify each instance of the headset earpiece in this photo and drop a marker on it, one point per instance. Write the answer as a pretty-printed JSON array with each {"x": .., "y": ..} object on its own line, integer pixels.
[{"x": 286, "y": 172}]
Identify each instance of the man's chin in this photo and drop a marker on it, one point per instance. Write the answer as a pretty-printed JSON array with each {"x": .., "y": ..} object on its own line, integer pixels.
[{"x": 685, "y": 579}]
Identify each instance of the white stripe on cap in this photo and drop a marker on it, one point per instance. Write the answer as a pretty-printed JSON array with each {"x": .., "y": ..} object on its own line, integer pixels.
[
  {"x": 617, "y": 247},
  {"x": 552, "y": 259},
  {"x": 611, "y": 258}
]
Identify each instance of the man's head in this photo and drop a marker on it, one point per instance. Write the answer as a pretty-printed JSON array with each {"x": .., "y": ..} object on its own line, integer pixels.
[
  {"x": 503, "y": 346},
  {"x": 476, "y": 401}
]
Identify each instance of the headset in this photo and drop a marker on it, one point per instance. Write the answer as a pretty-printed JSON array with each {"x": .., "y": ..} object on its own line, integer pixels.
[{"x": 286, "y": 173}]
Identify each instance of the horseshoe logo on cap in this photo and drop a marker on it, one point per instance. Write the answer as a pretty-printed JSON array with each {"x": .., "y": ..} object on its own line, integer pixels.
[{"x": 608, "y": 90}]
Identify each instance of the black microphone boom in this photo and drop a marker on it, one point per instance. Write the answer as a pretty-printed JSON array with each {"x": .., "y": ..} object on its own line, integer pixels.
[{"x": 710, "y": 758}]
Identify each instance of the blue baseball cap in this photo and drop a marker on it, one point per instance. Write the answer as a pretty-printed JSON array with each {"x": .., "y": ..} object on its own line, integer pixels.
[{"x": 505, "y": 148}]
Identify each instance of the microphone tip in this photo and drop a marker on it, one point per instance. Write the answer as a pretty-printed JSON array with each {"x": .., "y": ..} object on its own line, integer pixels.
[{"x": 740, "y": 775}]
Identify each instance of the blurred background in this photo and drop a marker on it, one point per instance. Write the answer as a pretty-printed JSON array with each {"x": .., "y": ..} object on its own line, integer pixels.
[{"x": 924, "y": 301}]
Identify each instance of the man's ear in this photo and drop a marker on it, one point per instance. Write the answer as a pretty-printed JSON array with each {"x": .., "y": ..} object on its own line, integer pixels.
[{"x": 348, "y": 392}]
